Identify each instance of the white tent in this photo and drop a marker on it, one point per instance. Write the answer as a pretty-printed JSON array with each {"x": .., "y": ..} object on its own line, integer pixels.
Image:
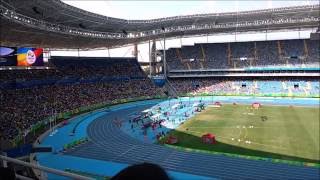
[
  {"x": 175, "y": 106},
  {"x": 156, "y": 116},
  {"x": 146, "y": 111},
  {"x": 196, "y": 104}
]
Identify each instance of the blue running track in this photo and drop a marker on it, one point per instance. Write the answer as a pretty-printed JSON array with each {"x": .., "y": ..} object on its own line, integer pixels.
[{"x": 108, "y": 143}]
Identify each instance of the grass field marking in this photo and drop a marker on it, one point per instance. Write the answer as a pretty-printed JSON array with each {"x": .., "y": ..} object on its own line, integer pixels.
[
  {"x": 231, "y": 127},
  {"x": 243, "y": 139},
  {"x": 264, "y": 127},
  {"x": 267, "y": 145},
  {"x": 266, "y": 136},
  {"x": 247, "y": 141},
  {"x": 239, "y": 139},
  {"x": 239, "y": 127},
  {"x": 246, "y": 133},
  {"x": 227, "y": 138},
  {"x": 239, "y": 136},
  {"x": 232, "y": 133},
  {"x": 197, "y": 132},
  {"x": 248, "y": 113},
  {"x": 283, "y": 105}
]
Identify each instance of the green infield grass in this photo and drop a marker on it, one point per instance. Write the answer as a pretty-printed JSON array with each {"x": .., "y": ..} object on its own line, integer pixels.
[{"x": 280, "y": 132}]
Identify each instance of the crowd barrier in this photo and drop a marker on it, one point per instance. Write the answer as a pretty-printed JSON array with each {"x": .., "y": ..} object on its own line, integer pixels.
[
  {"x": 251, "y": 95},
  {"x": 273, "y": 160},
  {"x": 66, "y": 115}
]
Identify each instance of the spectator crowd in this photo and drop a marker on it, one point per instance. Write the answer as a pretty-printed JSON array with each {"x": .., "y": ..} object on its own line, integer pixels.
[
  {"x": 244, "y": 54},
  {"x": 247, "y": 86},
  {"x": 23, "y": 107}
]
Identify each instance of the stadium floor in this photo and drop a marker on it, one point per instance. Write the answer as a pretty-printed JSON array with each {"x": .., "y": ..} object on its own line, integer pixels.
[{"x": 112, "y": 150}]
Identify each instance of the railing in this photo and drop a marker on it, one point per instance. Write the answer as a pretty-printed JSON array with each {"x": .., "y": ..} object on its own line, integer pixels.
[
  {"x": 43, "y": 168},
  {"x": 305, "y": 67},
  {"x": 244, "y": 74},
  {"x": 47, "y": 26},
  {"x": 171, "y": 88}
]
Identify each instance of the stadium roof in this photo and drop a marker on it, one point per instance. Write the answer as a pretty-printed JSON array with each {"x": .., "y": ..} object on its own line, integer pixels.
[
  {"x": 147, "y": 9},
  {"x": 55, "y": 24}
]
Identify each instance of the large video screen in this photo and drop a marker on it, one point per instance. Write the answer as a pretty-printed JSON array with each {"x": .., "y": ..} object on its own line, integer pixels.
[
  {"x": 30, "y": 57},
  {"x": 8, "y": 56}
]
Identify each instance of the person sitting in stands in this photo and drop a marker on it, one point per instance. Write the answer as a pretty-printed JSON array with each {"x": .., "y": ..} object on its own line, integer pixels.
[
  {"x": 7, "y": 173},
  {"x": 144, "y": 171}
]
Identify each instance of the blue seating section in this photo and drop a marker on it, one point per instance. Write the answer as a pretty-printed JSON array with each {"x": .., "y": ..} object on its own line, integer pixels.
[
  {"x": 298, "y": 52},
  {"x": 270, "y": 87},
  {"x": 265, "y": 87}
]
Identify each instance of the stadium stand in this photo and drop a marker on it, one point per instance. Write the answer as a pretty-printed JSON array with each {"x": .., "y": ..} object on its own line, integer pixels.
[
  {"x": 95, "y": 92},
  {"x": 23, "y": 75},
  {"x": 279, "y": 53},
  {"x": 254, "y": 87},
  {"x": 29, "y": 96}
]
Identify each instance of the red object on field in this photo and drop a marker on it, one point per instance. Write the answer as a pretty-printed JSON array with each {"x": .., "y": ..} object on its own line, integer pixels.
[
  {"x": 172, "y": 140},
  {"x": 218, "y": 103},
  {"x": 256, "y": 105},
  {"x": 208, "y": 138}
]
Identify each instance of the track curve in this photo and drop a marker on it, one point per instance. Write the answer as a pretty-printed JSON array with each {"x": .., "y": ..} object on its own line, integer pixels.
[{"x": 109, "y": 143}]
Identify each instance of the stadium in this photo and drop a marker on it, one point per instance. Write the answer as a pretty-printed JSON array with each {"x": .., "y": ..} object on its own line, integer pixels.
[{"x": 231, "y": 92}]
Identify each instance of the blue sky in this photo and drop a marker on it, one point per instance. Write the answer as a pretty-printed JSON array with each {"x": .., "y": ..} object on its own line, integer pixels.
[{"x": 156, "y": 9}]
